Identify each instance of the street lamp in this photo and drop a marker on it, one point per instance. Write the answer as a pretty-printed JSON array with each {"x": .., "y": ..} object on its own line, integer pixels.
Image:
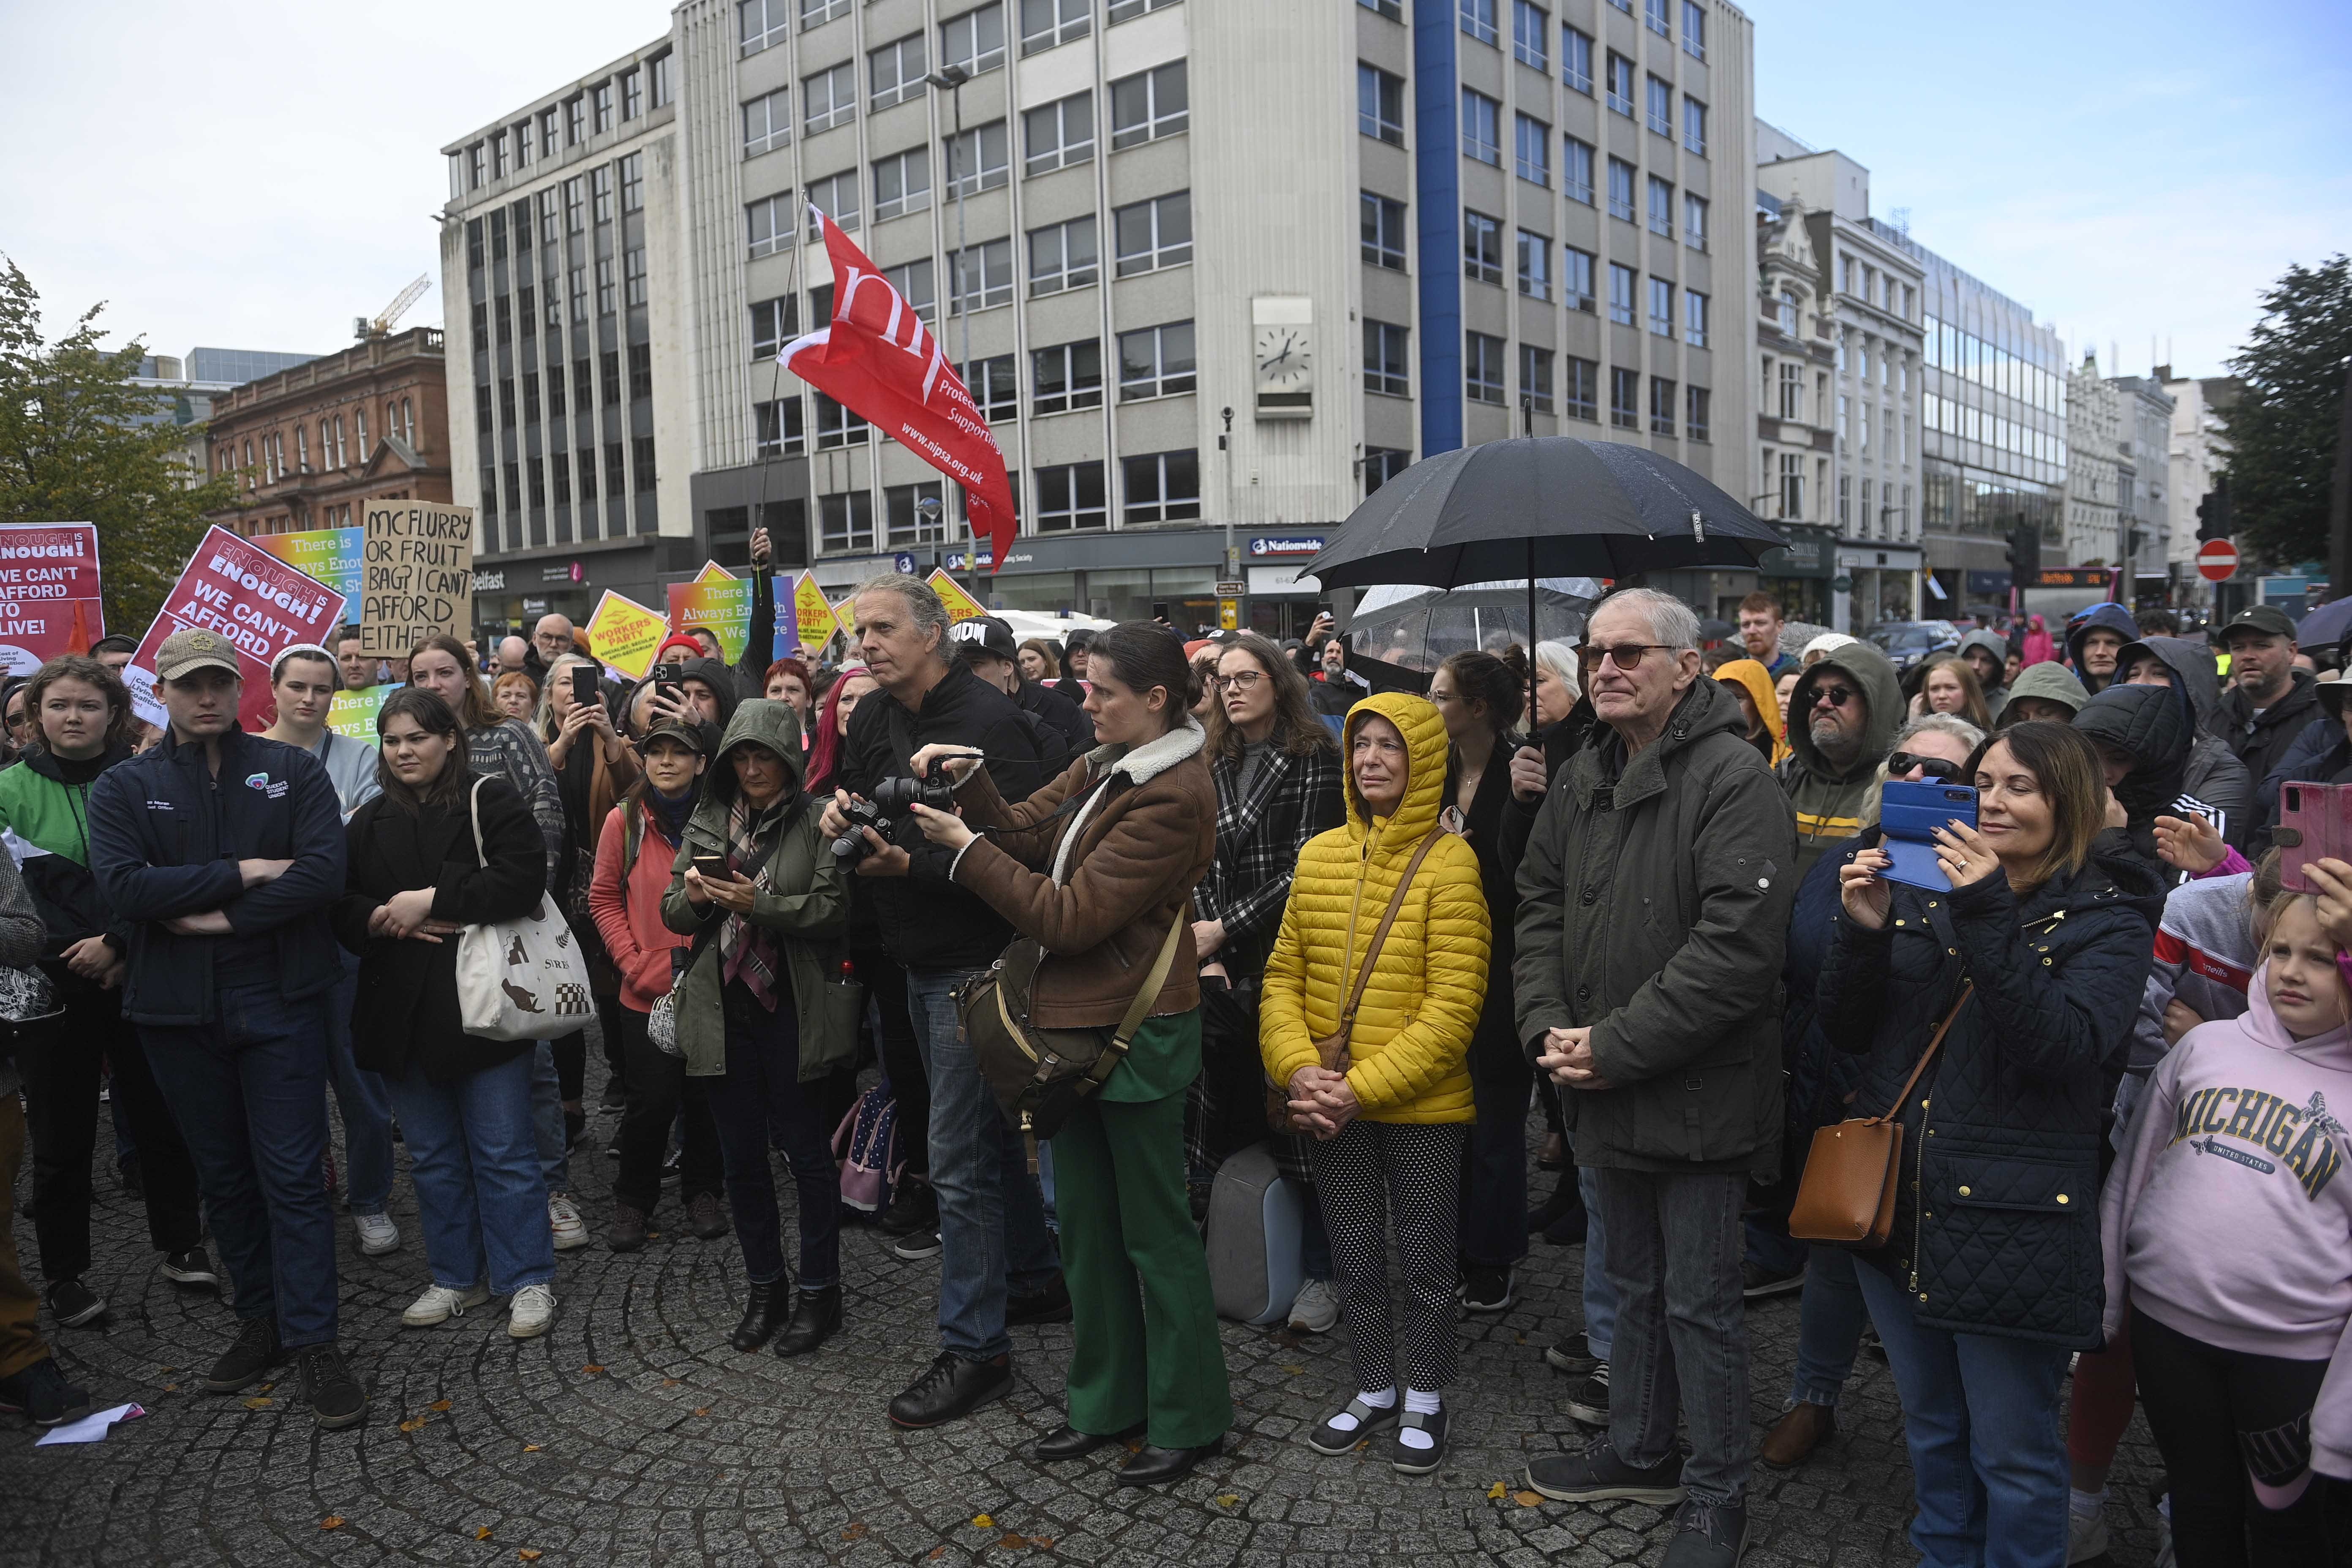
[{"x": 952, "y": 77}]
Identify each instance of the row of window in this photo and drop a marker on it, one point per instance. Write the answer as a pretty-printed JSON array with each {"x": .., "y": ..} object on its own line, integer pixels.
[
  {"x": 974, "y": 39},
  {"x": 1957, "y": 351},
  {"x": 270, "y": 464},
  {"x": 502, "y": 397},
  {"x": 1159, "y": 486},
  {"x": 533, "y": 483},
  {"x": 1147, "y": 236},
  {"x": 1481, "y": 118},
  {"x": 1531, "y": 24},
  {"x": 1482, "y": 262},
  {"x": 1951, "y": 417},
  {"x": 591, "y": 111},
  {"x": 1387, "y": 362}
]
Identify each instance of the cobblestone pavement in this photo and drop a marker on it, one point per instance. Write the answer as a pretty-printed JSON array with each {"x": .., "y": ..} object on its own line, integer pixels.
[{"x": 631, "y": 1434}]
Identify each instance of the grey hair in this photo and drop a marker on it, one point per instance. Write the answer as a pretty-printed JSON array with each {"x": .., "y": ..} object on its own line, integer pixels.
[
  {"x": 1958, "y": 729},
  {"x": 922, "y": 602},
  {"x": 1671, "y": 622},
  {"x": 1559, "y": 657}
]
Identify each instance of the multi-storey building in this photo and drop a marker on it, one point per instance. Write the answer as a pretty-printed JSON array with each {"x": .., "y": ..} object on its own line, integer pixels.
[
  {"x": 311, "y": 442},
  {"x": 1203, "y": 262},
  {"x": 2196, "y": 454},
  {"x": 2095, "y": 469},
  {"x": 185, "y": 387},
  {"x": 2143, "y": 486}
]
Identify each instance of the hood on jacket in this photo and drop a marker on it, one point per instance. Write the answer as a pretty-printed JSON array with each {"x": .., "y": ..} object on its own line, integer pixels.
[
  {"x": 1992, "y": 643},
  {"x": 1868, "y": 669},
  {"x": 1757, "y": 682},
  {"x": 2332, "y": 1049},
  {"x": 2051, "y": 683},
  {"x": 1417, "y": 720},
  {"x": 2149, "y": 723},
  {"x": 715, "y": 674},
  {"x": 2113, "y": 617},
  {"x": 40, "y": 760},
  {"x": 757, "y": 722},
  {"x": 2192, "y": 664}
]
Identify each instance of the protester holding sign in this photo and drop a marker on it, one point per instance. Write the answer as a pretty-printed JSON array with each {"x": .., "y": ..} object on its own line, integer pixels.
[
  {"x": 416, "y": 573},
  {"x": 49, "y": 601},
  {"x": 254, "y": 603}
]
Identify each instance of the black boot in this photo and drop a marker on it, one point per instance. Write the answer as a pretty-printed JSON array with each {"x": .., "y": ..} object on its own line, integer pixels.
[
  {"x": 816, "y": 1318},
  {"x": 764, "y": 1310}
]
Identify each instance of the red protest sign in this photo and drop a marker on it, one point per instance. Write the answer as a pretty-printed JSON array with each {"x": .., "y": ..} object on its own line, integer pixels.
[
  {"x": 257, "y": 601},
  {"x": 49, "y": 600}
]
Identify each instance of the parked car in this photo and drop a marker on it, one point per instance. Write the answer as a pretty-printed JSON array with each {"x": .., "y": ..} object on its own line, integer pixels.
[{"x": 1909, "y": 643}]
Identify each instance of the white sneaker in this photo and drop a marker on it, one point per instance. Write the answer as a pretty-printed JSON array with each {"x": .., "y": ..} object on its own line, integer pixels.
[
  {"x": 378, "y": 1235},
  {"x": 530, "y": 1312},
  {"x": 2087, "y": 1535},
  {"x": 439, "y": 1304},
  {"x": 564, "y": 1220},
  {"x": 1316, "y": 1309}
]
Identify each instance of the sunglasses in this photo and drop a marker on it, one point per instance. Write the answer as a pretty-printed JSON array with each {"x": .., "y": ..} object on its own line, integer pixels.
[
  {"x": 1902, "y": 763},
  {"x": 1627, "y": 656},
  {"x": 1835, "y": 696}
]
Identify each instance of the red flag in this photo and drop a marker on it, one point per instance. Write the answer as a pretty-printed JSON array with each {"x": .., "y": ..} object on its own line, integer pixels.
[{"x": 877, "y": 359}]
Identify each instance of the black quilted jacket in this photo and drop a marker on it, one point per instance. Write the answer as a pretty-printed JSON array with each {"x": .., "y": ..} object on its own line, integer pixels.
[{"x": 1996, "y": 1226}]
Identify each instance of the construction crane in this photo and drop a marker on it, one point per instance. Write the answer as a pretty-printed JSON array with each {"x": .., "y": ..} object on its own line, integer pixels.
[{"x": 363, "y": 328}]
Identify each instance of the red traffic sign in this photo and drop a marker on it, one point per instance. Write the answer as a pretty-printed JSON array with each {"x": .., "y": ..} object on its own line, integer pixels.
[{"x": 2217, "y": 560}]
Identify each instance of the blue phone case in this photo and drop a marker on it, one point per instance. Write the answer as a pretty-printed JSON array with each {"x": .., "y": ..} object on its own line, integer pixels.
[{"x": 1909, "y": 816}]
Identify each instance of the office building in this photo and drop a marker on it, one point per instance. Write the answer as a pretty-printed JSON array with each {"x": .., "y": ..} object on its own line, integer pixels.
[
  {"x": 2197, "y": 453},
  {"x": 2143, "y": 484},
  {"x": 1202, "y": 261},
  {"x": 186, "y": 386},
  {"x": 2094, "y": 467}
]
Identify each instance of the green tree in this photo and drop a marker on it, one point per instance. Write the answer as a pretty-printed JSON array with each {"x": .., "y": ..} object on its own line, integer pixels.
[
  {"x": 2286, "y": 425},
  {"x": 79, "y": 444}
]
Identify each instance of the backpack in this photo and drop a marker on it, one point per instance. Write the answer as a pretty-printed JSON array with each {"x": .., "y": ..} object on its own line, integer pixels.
[
  {"x": 865, "y": 1146},
  {"x": 1256, "y": 1219}
]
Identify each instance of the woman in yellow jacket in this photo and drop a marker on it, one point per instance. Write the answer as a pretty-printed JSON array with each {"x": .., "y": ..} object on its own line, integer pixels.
[{"x": 1391, "y": 1125}]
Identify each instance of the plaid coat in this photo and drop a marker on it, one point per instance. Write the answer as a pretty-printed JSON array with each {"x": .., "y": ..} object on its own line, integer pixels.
[{"x": 1292, "y": 799}]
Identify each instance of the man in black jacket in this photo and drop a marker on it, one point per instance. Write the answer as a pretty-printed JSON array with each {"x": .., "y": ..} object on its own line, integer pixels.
[
  {"x": 1064, "y": 730},
  {"x": 997, "y": 1261},
  {"x": 2269, "y": 701},
  {"x": 219, "y": 850}
]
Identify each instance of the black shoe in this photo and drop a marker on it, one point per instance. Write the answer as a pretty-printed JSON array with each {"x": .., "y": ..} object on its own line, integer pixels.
[
  {"x": 73, "y": 1303},
  {"x": 1570, "y": 1229},
  {"x": 1756, "y": 1281},
  {"x": 1158, "y": 1467},
  {"x": 816, "y": 1318},
  {"x": 575, "y": 1126},
  {"x": 1328, "y": 1439},
  {"x": 42, "y": 1393},
  {"x": 134, "y": 1180},
  {"x": 1050, "y": 1305},
  {"x": 1590, "y": 1402},
  {"x": 919, "y": 1245},
  {"x": 1573, "y": 1356},
  {"x": 256, "y": 1352},
  {"x": 627, "y": 1232},
  {"x": 913, "y": 1207},
  {"x": 1708, "y": 1535},
  {"x": 1068, "y": 1443},
  {"x": 951, "y": 1388},
  {"x": 336, "y": 1399},
  {"x": 1408, "y": 1460},
  {"x": 1486, "y": 1290},
  {"x": 616, "y": 1095},
  {"x": 1598, "y": 1475},
  {"x": 765, "y": 1307},
  {"x": 705, "y": 1218},
  {"x": 190, "y": 1267}
]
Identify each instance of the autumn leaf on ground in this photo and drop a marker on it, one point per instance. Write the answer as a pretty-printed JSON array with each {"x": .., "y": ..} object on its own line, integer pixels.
[
  {"x": 1527, "y": 1500},
  {"x": 528, "y": 1553},
  {"x": 483, "y": 1533},
  {"x": 937, "y": 1552},
  {"x": 438, "y": 1404},
  {"x": 592, "y": 1369},
  {"x": 1012, "y": 1543},
  {"x": 704, "y": 1411},
  {"x": 1293, "y": 1371},
  {"x": 1495, "y": 1491},
  {"x": 260, "y": 1404},
  {"x": 1228, "y": 1499},
  {"x": 265, "y": 1388},
  {"x": 171, "y": 1388},
  {"x": 531, "y": 1448},
  {"x": 332, "y": 1521},
  {"x": 984, "y": 1522},
  {"x": 857, "y": 1531},
  {"x": 414, "y": 1423},
  {"x": 667, "y": 1383},
  {"x": 1042, "y": 1542}
]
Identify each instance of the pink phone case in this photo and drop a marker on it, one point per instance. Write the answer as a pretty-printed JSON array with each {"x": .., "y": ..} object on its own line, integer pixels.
[{"x": 2315, "y": 823}]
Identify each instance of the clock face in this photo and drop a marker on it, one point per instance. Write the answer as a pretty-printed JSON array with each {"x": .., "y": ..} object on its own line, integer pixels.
[{"x": 1284, "y": 358}]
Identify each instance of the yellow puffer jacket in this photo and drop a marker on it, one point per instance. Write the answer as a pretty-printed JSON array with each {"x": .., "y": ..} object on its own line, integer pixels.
[{"x": 1412, "y": 1038}]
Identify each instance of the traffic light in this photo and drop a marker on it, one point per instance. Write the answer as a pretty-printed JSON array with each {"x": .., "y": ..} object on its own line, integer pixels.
[
  {"x": 2025, "y": 553},
  {"x": 2214, "y": 511}
]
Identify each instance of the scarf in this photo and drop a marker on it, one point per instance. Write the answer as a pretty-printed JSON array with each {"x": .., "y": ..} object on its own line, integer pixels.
[
  {"x": 747, "y": 951},
  {"x": 670, "y": 814}
]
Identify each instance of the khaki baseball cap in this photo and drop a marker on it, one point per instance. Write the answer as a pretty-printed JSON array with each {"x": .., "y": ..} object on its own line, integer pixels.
[{"x": 191, "y": 649}]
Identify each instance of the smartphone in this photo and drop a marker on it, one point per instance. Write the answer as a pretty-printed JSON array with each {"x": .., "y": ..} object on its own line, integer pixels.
[
  {"x": 670, "y": 675},
  {"x": 583, "y": 684},
  {"x": 2315, "y": 823},
  {"x": 713, "y": 868},
  {"x": 1909, "y": 816}
]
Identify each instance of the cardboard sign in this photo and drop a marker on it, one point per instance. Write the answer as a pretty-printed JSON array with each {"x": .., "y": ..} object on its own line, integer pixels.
[
  {"x": 813, "y": 616},
  {"x": 961, "y": 607},
  {"x": 330, "y": 555},
  {"x": 625, "y": 635},
  {"x": 416, "y": 574},
  {"x": 353, "y": 714},
  {"x": 262, "y": 605},
  {"x": 49, "y": 600},
  {"x": 719, "y": 605}
]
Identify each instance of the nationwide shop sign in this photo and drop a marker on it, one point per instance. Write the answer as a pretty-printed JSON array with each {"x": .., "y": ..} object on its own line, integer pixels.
[
  {"x": 260, "y": 604},
  {"x": 49, "y": 601},
  {"x": 330, "y": 555},
  {"x": 624, "y": 634},
  {"x": 416, "y": 574}
]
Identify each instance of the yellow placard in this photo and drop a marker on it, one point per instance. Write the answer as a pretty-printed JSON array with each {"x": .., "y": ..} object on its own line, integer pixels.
[
  {"x": 813, "y": 614},
  {"x": 714, "y": 573},
  {"x": 961, "y": 606},
  {"x": 625, "y": 634},
  {"x": 846, "y": 613}
]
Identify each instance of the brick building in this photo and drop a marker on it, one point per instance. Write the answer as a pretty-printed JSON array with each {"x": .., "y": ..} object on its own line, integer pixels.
[{"x": 311, "y": 442}]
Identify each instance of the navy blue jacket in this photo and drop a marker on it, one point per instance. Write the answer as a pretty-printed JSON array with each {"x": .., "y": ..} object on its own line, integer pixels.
[
  {"x": 1821, "y": 1081},
  {"x": 1996, "y": 1224},
  {"x": 164, "y": 841},
  {"x": 2321, "y": 755}
]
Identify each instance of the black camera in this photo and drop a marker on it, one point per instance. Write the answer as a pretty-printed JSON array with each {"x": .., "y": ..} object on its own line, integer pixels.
[
  {"x": 886, "y": 814},
  {"x": 934, "y": 789}
]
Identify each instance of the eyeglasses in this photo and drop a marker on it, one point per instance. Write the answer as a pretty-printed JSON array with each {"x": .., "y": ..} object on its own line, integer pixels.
[
  {"x": 1835, "y": 696},
  {"x": 1902, "y": 763},
  {"x": 1628, "y": 655},
  {"x": 1242, "y": 682}
]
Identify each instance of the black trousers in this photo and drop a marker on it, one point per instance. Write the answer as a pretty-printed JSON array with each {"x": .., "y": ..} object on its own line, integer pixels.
[
  {"x": 902, "y": 1058},
  {"x": 1226, "y": 1109},
  {"x": 61, "y": 1093},
  {"x": 658, "y": 1090}
]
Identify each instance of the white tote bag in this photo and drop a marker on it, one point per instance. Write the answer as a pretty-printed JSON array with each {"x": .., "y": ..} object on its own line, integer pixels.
[{"x": 522, "y": 979}]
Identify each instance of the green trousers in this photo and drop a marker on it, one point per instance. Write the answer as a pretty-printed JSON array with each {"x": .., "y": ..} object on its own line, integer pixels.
[{"x": 1144, "y": 1322}]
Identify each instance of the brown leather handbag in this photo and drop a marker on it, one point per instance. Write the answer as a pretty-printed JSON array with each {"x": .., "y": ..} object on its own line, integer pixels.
[
  {"x": 1846, "y": 1195},
  {"x": 1331, "y": 1051}
]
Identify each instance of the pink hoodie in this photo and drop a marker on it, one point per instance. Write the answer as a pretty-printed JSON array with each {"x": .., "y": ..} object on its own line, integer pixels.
[{"x": 2229, "y": 1216}]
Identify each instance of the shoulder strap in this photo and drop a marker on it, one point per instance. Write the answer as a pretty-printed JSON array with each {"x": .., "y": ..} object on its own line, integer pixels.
[
  {"x": 1928, "y": 1055},
  {"x": 474, "y": 810},
  {"x": 1372, "y": 953},
  {"x": 1140, "y": 1008},
  {"x": 633, "y": 838}
]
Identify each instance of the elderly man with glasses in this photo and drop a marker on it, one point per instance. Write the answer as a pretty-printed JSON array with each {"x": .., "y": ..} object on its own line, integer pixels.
[{"x": 1842, "y": 720}]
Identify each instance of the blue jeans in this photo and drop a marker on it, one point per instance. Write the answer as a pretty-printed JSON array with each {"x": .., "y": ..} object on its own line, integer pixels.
[
  {"x": 365, "y": 1105},
  {"x": 762, "y": 1095},
  {"x": 1680, "y": 1343},
  {"x": 1772, "y": 1249},
  {"x": 474, "y": 1156},
  {"x": 1830, "y": 1316},
  {"x": 992, "y": 1230},
  {"x": 547, "y": 1118},
  {"x": 1599, "y": 1295},
  {"x": 1981, "y": 1417},
  {"x": 249, "y": 1092}
]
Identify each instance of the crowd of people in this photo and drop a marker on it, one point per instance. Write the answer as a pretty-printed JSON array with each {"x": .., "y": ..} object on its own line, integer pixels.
[{"x": 1371, "y": 918}]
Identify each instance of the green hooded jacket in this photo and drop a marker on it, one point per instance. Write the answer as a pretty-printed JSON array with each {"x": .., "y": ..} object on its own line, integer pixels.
[
  {"x": 1829, "y": 800},
  {"x": 803, "y": 897},
  {"x": 2049, "y": 681}
]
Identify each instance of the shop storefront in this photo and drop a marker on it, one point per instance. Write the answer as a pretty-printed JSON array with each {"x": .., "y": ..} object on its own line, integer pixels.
[
  {"x": 1800, "y": 577},
  {"x": 1878, "y": 582},
  {"x": 510, "y": 594}
]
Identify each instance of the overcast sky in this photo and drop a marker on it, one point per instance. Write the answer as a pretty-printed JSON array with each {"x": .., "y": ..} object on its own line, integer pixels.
[{"x": 254, "y": 173}]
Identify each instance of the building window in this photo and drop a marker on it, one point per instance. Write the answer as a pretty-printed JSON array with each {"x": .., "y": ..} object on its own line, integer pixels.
[
  {"x": 1058, "y": 134},
  {"x": 576, "y": 119},
  {"x": 1161, "y": 487},
  {"x": 895, "y": 72},
  {"x": 547, "y": 133},
  {"x": 1155, "y": 362},
  {"x": 767, "y": 122},
  {"x": 1154, "y": 234},
  {"x": 600, "y": 194},
  {"x": 1064, "y": 255},
  {"x": 902, "y": 184},
  {"x": 1383, "y": 464},
  {"x": 993, "y": 387},
  {"x": 1576, "y": 269},
  {"x": 1580, "y": 389},
  {"x": 551, "y": 215},
  {"x": 1481, "y": 248},
  {"x": 1147, "y": 106},
  {"x": 1694, "y": 318},
  {"x": 1535, "y": 265},
  {"x": 1625, "y": 399},
  {"x": 1576, "y": 58},
  {"x": 1694, "y": 125},
  {"x": 1621, "y": 189},
  {"x": 1070, "y": 497},
  {"x": 845, "y": 522},
  {"x": 1654, "y": 17},
  {"x": 1533, "y": 149},
  {"x": 980, "y": 277},
  {"x": 1620, "y": 294},
  {"x": 500, "y": 159},
  {"x": 836, "y": 196},
  {"x": 477, "y": 167},
  {"x": 816, "y": 13},
  {"x": 1379, "y": 105},
  {"x": 1386, "y": 368},
  {"x": 633, "y": 183},
  {"x": 1693, "y": 220},
  {"x": 829, "y": 98},
  {"x": 1066, "y": 377},
  {"x": 1481, "y": 128},
  {"x": 1129, "y": 10},
  {"x": 633, "y": 93},
  {"x": 1535, "y": 377},
  {"x": 1844, "y": 413},
  {"x": 974, "y": 40},
  {"x": 1482, "y": 367},
  {"x": 607, "y": 299},
  {"x": 1045, "y": 24},
  {"x": 1792, "y": 389},
  {"x": 1792, "y": 469},
  {"x": 1662, "y": 207},
  {"x": 979, "y": 159},
  {"x": 538, "y": 473},
  {"x": 770, "y": 220},
  {"x": 1662, "y": 406},
  {"x": 1530, "y": 28},
  {"x": 1576, "y": 170},
  {"x": 1662, "y": 107},
  {"x": 906, "y": 518},
  {"x": 575, "y": 205},
  {"x": 658, "y": 80},
  {"x": 1694, "y": 29},
  {"x": 914, "y": 283},
  {"x": 1383, "y": 236},
  {"x": 641, "y": 371},
  {"x": 837, "y": 426},
  {"x": 1662, "y": 307},
  {"x": 1393, "y": 9},
  {"x": 1620, "y": 84},
  {"x": 600, "y": 98},
  {"x": 633, "y": 276},
  {"x": 1478, "y": 19}
]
